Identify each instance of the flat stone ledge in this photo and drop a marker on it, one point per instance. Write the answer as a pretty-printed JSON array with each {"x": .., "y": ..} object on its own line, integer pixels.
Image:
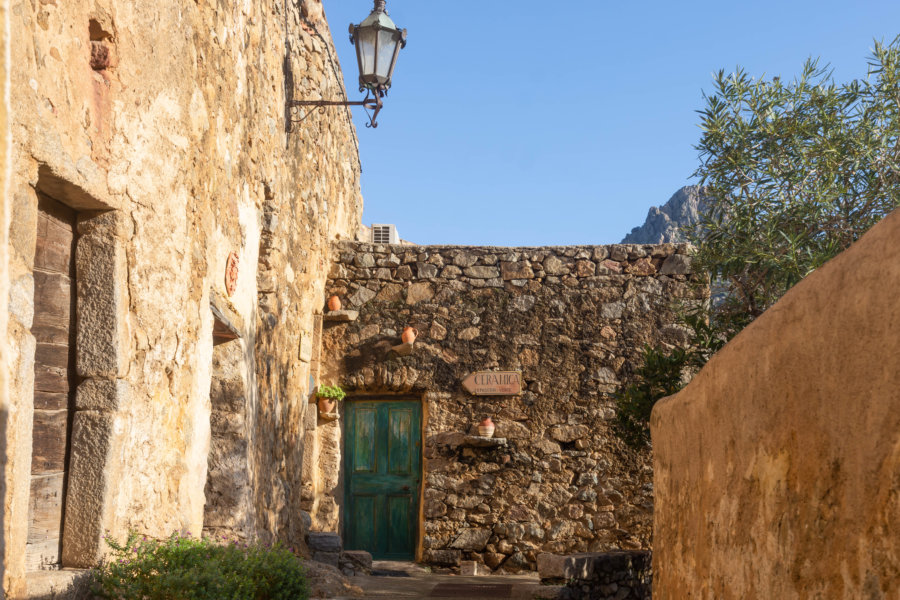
[
  {"x": 403, "y": 349},
  {"x": 477, "y": 441},
  {"x": 341, "y": 316}
]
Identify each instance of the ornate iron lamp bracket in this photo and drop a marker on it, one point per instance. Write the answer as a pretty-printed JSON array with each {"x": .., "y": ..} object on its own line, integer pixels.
[{"x": 374, "y": 104}]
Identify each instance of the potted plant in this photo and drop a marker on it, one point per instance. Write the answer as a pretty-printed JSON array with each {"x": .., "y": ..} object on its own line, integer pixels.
[{"x": 327, "y": 397}]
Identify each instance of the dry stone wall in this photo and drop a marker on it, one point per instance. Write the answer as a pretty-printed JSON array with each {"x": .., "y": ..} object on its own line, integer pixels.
[
  {"x": 573, "y": 320},
  {"x": 163, "y": 124}
]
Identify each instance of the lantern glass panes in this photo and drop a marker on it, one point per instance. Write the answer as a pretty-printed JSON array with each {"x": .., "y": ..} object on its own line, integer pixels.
[
  {"x": 365, "y": 47},
  {"x": 378, "y": 42},
  {"x": 387, "y": 43}
]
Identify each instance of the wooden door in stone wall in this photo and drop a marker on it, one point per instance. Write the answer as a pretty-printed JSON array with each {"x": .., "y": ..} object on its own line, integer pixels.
[
  {"x": 54, "y": 379},
  {"x": 383, "y": 474}
]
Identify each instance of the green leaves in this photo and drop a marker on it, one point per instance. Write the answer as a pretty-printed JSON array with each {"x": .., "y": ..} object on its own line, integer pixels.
[
  {"x": 185, "y": 568},
  {"x": 795, "y": 172},
  {"x": 331, "y": 391},
  {"x": 665, "y": 371}
]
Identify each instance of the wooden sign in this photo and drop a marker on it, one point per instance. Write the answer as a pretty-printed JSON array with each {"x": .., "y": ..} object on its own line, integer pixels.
[{"x": 493, "y": 383}]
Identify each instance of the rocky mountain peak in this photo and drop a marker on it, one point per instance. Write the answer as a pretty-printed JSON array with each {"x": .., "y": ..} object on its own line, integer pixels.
[{"x": 665, "y": 223}]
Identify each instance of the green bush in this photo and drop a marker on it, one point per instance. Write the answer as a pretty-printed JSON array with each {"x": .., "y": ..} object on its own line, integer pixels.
[
  {"x": 185, "y": 568},
  {"x": 658, "y": 377},
  {"x": 794, "y": 172},
  {"x": 664, "y": 371}
]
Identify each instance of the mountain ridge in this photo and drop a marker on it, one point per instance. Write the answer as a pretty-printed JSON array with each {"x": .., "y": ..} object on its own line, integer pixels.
[{"x": 665, "y": 224}]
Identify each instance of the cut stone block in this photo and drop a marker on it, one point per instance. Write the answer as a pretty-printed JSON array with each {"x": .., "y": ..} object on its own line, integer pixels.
[
  {"x": 565, "y": 567},
  {"x": 328, "y": 558},
  {"x": 470, "y": 568},
  {"x": 320, "y": 541},
  {"x": 342, "y": 316}
]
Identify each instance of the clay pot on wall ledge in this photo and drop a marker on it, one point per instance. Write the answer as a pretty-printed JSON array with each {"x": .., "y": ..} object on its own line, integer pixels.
[
  {"x": 486, "y": 428},
  {"x": 326, "y": 406},
  {"x": 334, "y": 303},
  {"x": 327, "y": 399},
  {"x": 409, "y": 335}
]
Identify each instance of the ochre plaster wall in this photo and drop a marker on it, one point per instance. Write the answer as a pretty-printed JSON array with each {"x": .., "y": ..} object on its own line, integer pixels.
[
  {"x": 777, "y": 470},
  {"x": 163, "y": 123},
  {"x": 573, "y": 320}
]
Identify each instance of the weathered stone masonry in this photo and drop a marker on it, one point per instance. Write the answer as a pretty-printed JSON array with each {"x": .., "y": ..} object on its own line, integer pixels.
[
  {"x": 573, "y": 320},
  {"x": 163, "y": 126}
]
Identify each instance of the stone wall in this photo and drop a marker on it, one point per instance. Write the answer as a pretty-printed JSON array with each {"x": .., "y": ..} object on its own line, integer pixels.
[
  {"x": 777, "y": 470},
  {"x": 573, "y": 320},
  {"x": 6, "y": 405},
  {"x": 164, "y": 125},
  {"x": 619, "y": 575}
]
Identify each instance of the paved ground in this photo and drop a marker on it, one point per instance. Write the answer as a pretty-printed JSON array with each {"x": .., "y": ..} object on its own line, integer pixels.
[{"x": 420, "y": 583}]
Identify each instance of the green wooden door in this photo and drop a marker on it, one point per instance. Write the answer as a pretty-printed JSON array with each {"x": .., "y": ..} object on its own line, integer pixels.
[{"x": 382, "y": 466}]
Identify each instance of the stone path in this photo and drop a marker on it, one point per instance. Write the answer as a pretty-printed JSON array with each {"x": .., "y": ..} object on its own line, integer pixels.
[{"x": 422, "y": 584}]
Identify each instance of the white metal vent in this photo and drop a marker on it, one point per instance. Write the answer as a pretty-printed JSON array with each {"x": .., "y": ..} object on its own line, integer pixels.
[{"x": 385, "y": 234}]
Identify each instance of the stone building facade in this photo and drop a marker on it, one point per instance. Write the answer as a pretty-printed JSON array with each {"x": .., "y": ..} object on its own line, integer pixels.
[
  {"x": 152, "y": 153},
  {"x": 570, "y": 321},
  {"x": 170, "y": 236}
]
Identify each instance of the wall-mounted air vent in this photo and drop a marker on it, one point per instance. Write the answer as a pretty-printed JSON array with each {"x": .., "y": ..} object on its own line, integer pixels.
[{"x": 385, "y": 234}]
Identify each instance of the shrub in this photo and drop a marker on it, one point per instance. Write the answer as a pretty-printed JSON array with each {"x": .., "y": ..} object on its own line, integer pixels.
[
  {"x": 794, "y": 172},
  {"x": 658, "y": 377},
  {"x": 333, "y": 392},
  {"x": 664, "y": 371},
  {"x": 185, "y": 568}
]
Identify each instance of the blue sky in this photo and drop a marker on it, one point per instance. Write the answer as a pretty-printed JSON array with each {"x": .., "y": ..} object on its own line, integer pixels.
[{"x": 552, "y": 123}]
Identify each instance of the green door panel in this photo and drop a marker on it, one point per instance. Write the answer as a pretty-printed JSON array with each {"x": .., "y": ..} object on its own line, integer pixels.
[
  {"x": 363, "y": 514},
  {"x": 400, "y": 449},
  {"x": 382, "y": 466},
  {"x": 400, "y": 525},
  {"x": 364, "y": 444}
]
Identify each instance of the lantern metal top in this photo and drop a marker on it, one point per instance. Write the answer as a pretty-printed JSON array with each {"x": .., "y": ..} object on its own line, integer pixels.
[
  {"x": 375, "y": 75},
  {"x": 379, "y": 18}
]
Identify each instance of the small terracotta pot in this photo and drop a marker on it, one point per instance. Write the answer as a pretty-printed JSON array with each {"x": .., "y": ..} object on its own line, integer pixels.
[
  {"x": 334, "y": 303},
  {"x": 326, "y": 405},
  {"x": 409, "y": 335},
  {"x": 486, "y": 428}
]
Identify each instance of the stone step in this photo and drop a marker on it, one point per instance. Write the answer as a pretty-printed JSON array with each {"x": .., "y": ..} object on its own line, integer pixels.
[
  {"x": 325, "y": 547},
  {"x": 63, "y": 584}
]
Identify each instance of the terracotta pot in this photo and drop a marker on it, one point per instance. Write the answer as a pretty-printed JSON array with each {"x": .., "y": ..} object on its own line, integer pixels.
[
  {"x": 409, "y": 335},
  {"x": 486, "y": 428},
  {"x": 326, "y": 405},
  {"x": 334, "y": 303}
]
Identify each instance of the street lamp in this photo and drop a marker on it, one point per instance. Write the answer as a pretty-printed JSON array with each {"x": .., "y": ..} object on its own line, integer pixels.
[{"x": 378, "y": 43}]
